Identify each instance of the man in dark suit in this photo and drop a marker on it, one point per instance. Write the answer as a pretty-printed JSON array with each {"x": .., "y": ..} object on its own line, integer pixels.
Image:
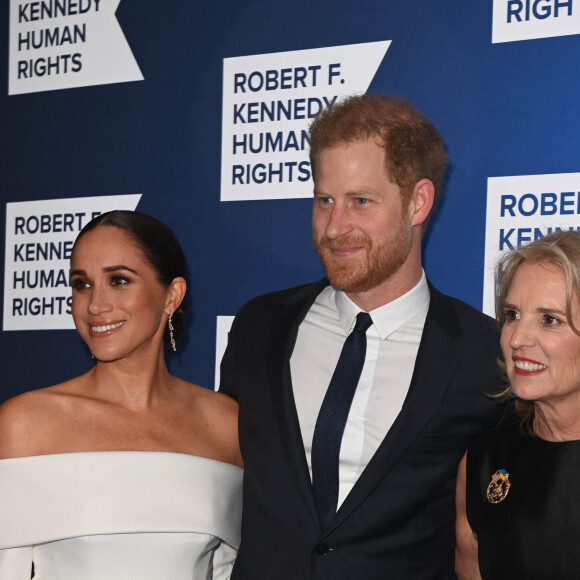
[{"x": 382, "y": 504}]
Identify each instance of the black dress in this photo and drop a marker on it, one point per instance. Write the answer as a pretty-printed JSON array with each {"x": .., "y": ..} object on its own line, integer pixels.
[{"x": 532, "y": 531}]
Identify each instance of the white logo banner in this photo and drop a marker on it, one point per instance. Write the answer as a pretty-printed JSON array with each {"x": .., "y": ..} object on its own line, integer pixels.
[
  {"x": 63, "y": 44},
  {"x": 269, "y": 101},
  {"x": 521, "y": 209},
  {"x": 527, "y": 19},
  {"x": 39, "y": 239}
]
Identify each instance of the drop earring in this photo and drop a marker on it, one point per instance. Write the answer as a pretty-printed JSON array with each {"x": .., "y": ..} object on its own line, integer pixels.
[{"x": 170, "y": 324}]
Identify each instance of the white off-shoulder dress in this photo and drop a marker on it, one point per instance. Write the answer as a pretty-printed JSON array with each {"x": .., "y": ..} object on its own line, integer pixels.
[{"x": 126, "y": 515}]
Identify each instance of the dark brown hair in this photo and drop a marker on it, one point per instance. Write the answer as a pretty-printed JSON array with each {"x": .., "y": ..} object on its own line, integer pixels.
[{"x": 160, "y": 248}]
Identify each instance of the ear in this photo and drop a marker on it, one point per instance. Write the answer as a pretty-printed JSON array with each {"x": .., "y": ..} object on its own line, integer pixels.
[
  {"x": 421, "y": 201},
  {"x": 175, "y": 294}
]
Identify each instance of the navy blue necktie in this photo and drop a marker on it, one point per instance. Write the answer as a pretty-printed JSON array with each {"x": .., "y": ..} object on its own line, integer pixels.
[{"x": 332, "y": 418}]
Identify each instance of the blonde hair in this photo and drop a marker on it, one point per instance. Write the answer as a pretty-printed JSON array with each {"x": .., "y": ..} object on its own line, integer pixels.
[{"x": 560, "y": 249}]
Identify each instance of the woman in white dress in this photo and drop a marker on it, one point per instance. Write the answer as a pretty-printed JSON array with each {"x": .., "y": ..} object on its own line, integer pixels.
[{"x": 125, "y": 472}]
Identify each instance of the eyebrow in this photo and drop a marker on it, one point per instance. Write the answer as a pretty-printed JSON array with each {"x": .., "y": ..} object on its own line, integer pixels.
[
  {"x": 551, "y": 311},
  {"x": 356, "y": 193},
  {"x": 541, "y": 310},
  {"x": 108, "y": 269}
]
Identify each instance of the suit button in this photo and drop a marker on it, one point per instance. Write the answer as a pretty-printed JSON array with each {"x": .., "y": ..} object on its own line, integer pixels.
[{"x": 322, "y": 549}]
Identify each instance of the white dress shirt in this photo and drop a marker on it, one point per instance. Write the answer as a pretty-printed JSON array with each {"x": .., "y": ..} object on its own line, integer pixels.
[{"x": 392, "y": 345}]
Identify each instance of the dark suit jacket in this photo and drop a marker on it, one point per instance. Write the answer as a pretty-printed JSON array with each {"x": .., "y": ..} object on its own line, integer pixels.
[{"x": 398, "y": 520}]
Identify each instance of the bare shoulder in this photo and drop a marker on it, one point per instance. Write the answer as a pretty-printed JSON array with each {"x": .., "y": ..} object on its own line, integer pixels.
[
  {"x": 217, "y": 416},
  {"x": 224, "y": 405},
  {"x": 212, "y": 402},
  {"x": 19, "y": 418},
  {"x": 26, "y": 419}
]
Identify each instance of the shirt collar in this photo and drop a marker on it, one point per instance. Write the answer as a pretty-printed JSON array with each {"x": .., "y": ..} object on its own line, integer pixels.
[{"x": 390, "y": 316}]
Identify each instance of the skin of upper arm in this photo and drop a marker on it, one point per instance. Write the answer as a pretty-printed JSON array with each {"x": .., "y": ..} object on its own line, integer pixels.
[
  {"x": 20, "y": 426},
  {"x": 11, "y": 429},
  {"x": 466, "y": 551}
]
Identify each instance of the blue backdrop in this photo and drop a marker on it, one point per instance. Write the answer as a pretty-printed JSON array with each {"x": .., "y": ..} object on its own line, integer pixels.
[{"x": 507, "y": 108}]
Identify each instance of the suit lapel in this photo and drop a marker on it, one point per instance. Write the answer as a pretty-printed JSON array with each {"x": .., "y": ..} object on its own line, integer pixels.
[
  {"x": 282, "y": 340},
  {"x": 437, "y": 359}
]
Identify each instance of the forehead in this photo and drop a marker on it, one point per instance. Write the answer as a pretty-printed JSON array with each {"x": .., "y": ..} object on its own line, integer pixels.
[
  {"x": 356, "y": 161},
  {"x": 538, "y": 280},
  {"x": 107, "y": 244}
]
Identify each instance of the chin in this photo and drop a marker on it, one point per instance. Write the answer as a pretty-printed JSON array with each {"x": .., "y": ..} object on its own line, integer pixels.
[
  {"x": 352, "y": 286},
  {"x": 348, "y": 283},
  {"x": 107, "y": 356},
  {"x": 346, "y": 276},
  {"x": 526, "y": 393}
]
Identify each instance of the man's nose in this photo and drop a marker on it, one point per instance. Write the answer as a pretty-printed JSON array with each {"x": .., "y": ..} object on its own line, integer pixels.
[{"x": 339, "y": 222}]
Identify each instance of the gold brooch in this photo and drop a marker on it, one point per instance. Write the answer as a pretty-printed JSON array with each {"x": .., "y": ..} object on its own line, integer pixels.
[{"x": 499, "y": 486}]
